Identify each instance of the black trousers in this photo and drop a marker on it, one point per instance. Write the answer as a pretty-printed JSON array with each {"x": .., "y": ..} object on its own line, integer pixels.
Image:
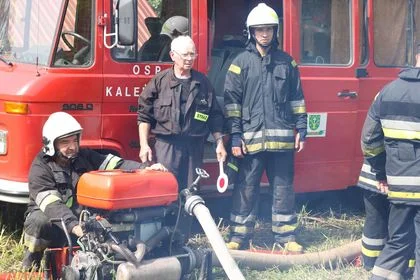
[
  {"x": 279, "y": 167},
  {"x": 375, "y": 229},
  {"x": 40, "y": 234},
  {"x": 394, "y": 259},
  {"x": 181, "y": 155}
]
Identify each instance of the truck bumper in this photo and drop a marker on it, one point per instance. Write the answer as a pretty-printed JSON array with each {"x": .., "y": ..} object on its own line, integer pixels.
[{"x": 14, "y": 192}]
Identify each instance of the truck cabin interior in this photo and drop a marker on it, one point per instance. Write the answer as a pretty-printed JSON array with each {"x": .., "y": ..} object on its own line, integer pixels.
[{"x": 75, "y": 44}]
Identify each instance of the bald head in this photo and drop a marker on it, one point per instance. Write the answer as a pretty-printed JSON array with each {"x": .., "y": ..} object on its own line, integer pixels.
[{"x": 182, "y": 43}]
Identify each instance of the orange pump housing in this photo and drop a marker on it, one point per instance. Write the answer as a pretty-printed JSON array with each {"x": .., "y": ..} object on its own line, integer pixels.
[{"x": 119, "y": 189}]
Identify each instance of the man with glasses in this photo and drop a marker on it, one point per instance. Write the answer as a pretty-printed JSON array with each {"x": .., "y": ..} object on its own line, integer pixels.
[{"x": 179, "y": 107}]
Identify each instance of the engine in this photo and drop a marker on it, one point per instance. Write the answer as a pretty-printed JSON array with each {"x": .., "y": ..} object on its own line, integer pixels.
[{"x": 133, "y": 229}]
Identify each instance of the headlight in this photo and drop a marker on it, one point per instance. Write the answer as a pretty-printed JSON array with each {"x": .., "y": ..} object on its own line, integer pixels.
[{"x": 3, "y": 142}]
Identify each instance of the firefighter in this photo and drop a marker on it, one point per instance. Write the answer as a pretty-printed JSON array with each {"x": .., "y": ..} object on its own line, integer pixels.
[
  {"x": 390, "y": 143},
  {"x": 175, "y": 26},
  {"x": 375, "y": 228},
  {"x": 53, "y": 177},
  {"x": 265, "y": 106},
  {"x": 179, "y": 107},
  {"x": 171, "y": 28}
]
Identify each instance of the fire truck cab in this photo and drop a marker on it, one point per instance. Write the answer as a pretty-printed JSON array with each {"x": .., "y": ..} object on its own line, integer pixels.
[{"x": 92, "y": 58}]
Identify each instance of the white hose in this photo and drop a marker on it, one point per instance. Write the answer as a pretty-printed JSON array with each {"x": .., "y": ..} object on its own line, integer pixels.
[
  {"x": 262, "y": 261},
  {"x": 206, "y": 221}
]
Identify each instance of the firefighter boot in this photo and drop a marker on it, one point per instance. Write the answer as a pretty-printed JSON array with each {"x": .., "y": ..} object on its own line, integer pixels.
[
  {"x": 237, "y": 244},
  {"x": 232, "y": 245},
  {"x": 291, "y": 247},
  {"x": 31, "y": 261}
]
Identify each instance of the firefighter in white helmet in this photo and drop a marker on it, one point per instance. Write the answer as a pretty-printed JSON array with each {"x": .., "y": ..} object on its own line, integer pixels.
[
  {"x": 265, "y": 107},
  {"x": 53, "y": 176}
]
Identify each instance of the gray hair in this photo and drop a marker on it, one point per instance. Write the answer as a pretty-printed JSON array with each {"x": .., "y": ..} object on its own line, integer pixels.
[{"x": 179, "y": 43}]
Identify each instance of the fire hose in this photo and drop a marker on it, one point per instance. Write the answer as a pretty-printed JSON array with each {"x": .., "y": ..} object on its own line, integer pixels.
[{"x": 262, "y": 261}]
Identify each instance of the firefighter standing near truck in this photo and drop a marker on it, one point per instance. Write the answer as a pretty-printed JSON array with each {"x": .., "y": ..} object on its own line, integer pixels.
[
  {"x": 179, "y": 107},
  {"x": 267, "y": 118},
  {"x": 391, "y": 145},
  {"x": 53, "y": 177}
]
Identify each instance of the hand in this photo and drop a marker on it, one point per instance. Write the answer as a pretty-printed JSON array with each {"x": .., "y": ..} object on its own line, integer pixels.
[
  {"x": 77, "y": 230},
  {"x": 157, "y": 167},
  {"x": 145, "y": 153},
  {"x": 299, "y": 145},
  {"x": 221, "y": 151},
  {"x": 239, "y": 151},
  {"x": 382, "y": 186}
]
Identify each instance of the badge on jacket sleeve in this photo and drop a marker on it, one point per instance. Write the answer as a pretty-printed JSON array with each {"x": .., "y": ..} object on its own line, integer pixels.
[{"x": 201, "y": 117}]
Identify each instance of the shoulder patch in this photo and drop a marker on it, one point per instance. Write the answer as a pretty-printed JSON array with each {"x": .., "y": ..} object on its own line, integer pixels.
[
  {"x": 294, "y": 64},
  {"x": 235, "y": 69}
]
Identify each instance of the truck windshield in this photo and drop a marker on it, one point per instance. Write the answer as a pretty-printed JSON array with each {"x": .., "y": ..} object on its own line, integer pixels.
[{"x": 27, "y": 29}]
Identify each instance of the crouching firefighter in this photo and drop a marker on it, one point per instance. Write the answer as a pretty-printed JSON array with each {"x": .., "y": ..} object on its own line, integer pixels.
[
  {"x": 375, "y": 228},
  {"x": 53, "y": 177}
]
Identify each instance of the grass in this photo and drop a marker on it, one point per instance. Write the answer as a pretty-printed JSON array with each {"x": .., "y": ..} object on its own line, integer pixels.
[{"x": 320, "y": 229}]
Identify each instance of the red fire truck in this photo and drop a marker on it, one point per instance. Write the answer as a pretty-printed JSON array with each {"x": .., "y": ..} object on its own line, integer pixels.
[{"x": 88, "y": 58}]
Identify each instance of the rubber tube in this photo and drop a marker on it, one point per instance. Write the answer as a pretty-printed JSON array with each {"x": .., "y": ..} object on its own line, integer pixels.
[
  {"x": 206, "y": 221},
  {"x": 168, "y": 268},
  {"x": 263, "y": 261}
]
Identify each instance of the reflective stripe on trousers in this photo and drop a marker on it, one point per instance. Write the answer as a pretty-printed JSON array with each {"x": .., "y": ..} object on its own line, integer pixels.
[
  {"x": 279, "y": 167},
  {"x": 393, "y": 262}
]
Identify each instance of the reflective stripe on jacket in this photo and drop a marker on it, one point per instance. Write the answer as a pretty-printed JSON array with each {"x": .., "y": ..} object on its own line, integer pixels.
[
  {"x": 264, "y": 100},
  {"x": 391, "y": 136}
]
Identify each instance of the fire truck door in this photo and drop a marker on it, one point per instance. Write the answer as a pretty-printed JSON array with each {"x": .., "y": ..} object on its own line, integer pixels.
[{"x": 324, "y": 47}]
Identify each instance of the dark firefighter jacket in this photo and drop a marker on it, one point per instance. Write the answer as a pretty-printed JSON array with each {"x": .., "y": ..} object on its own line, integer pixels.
[
  {"x": 391, "y": 137},
  {"x": 368, "y": 179},
  {"x": 159, "y": 105},
  {"x": 264, "y": 101},
  {"x": 52, "y": 188}
]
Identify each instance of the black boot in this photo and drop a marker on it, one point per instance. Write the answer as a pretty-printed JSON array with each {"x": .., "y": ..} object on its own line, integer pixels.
[{"x": 31, "y": 261}]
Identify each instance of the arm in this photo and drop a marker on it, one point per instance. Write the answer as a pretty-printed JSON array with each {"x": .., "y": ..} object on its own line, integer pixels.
[
  {"x": 110, "y": 162},
  {"x": 145, "y": 119},
  {"x": 372, "y": 140},
  {"x": 215, "y": 123},
  {"x": 233, "y": 107},
  {"x": 146, "y": 153},
  {"x": 298, "y": 107}
]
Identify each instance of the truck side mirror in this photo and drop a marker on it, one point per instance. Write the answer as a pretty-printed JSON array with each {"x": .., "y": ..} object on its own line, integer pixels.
[{"x": 126, "y": 22}]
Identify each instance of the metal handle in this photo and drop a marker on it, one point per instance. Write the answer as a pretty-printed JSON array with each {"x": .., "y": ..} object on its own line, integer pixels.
[{"x": 344, "y": 94}]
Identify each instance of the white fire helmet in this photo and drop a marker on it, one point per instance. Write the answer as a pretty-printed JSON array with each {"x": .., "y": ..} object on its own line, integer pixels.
[
  {"x": 262, "y": 15},
  {"x": 58, "y": 125},
  {"x": 175, "y": 26}
]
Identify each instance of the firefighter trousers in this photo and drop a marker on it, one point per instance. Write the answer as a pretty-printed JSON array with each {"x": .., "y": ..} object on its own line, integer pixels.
[
  {"x": 40, "y": 234},
  {"x": 394, "y": 259},
  {"x": 279, "y": 168},
  {"x": 375, "y": 229}
]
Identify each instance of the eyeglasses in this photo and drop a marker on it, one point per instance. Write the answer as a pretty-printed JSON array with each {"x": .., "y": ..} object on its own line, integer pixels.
[{"x": 186, "y": 55}]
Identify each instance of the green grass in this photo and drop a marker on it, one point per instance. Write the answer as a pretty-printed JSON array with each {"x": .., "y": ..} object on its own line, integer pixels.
[{"x": 318, "y": 232}]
